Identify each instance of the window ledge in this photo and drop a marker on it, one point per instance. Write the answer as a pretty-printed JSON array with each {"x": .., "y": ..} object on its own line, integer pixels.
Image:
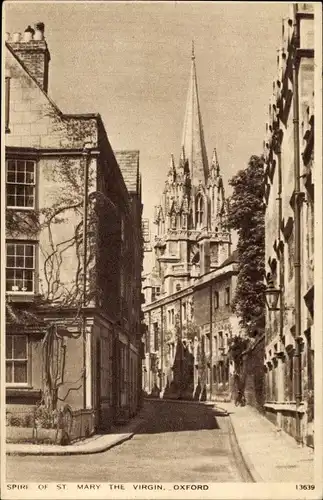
[
  {"x": 20, "y": 296},
  {"x": 14, "y": 393},
  {"x": 22, "y": 209}
]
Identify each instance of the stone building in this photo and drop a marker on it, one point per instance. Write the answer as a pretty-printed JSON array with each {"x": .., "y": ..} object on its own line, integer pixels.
[
  {"x": 192, "y": 267},
  {"x": 289, "y": 221},
  {"x": 73, "y": 252},
  {"x": 188, "y": 337}
]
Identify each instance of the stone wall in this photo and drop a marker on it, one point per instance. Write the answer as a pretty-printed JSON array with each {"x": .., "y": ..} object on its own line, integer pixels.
[{"x": 254, "y": 374}]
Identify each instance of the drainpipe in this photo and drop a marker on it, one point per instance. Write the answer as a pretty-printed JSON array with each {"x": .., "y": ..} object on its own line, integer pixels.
[
  {"x": 211, "y": 344},
  {"x": 86, "y": 155},
  {"x": 280, "y": 216},
  {"x": 281, "y": 269},
  {"x": 161, "y": 349},
  {"x": 181, "y": 348},
  {"x": 297, "y": 215},
  {"x": 149, "y": 354}
]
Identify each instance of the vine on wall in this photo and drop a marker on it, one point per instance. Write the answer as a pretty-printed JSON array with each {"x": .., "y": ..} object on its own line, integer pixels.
[{"x": 63, "y": 205}]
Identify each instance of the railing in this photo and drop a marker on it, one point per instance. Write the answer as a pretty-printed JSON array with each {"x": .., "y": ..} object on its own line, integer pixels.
[
  {"x": 39, "y": 425},
  {"x": 78, "y": 424}
]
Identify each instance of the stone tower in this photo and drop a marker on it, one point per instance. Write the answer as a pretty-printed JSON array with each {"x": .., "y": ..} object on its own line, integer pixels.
[{"x": 192, "y": 238}]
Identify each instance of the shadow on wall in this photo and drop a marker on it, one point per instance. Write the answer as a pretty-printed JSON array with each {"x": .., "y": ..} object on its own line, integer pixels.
[{"x": 181, "y": 386}]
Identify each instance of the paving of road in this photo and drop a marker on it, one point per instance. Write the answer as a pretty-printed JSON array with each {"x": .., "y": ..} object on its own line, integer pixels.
[{"x": 179, "y": 443}]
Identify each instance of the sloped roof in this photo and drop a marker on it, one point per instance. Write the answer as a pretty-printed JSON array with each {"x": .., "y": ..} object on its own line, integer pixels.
[
  {"x": 129, "y": 165},
  {"x": 234, "y": 257}
]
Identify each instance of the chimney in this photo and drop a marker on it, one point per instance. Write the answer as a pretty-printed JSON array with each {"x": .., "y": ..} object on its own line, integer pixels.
[{"x": 31, "y": 48}]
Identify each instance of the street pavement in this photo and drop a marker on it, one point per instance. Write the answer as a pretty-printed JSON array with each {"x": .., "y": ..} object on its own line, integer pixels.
[{"x": 178, "y": 442}]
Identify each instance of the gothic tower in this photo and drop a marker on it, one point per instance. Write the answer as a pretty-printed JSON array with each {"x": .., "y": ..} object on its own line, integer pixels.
[{"x": 192, "y": 237}]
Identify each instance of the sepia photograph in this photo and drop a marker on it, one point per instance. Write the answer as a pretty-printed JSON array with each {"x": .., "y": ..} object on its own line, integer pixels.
[{"x": 160, "y": 249}]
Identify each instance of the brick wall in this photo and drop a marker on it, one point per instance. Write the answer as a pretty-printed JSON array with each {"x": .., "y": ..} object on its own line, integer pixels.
[{"x": 35, "y": 56}]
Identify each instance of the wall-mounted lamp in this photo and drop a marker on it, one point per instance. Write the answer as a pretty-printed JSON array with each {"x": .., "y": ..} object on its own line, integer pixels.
[{"x": 272, "y": 295}]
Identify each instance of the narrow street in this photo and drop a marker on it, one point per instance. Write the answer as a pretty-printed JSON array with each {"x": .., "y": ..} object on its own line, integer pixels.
[{"x": 180, "y": 442}]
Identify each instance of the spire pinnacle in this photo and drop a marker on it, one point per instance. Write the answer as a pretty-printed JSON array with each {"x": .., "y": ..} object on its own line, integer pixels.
[
  {"x": 172, "y": 170},
  {"x": 193, "y": 136},
  {"x": 172, "y": 163},
  {"x": 215, "y": 162}
]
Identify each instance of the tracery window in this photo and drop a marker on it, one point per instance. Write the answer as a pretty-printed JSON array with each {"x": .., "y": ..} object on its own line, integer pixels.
[{"x": 199, "y": 210}]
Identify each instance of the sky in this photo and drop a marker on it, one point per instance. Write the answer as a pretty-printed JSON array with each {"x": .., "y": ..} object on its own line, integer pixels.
[{"x": 130, "y": 62}]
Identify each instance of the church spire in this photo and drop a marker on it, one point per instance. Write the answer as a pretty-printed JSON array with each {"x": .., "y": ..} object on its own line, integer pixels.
[{"x": 193, "y": 136}]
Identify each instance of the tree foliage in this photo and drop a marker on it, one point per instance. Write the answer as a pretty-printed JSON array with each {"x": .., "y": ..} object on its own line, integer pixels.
[{"x": 246, "y": 215}]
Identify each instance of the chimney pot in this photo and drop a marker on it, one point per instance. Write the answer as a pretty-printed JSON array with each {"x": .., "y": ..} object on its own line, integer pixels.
[
  {"x": 39, "y": 35},
  {"x": 28, "y": 36},
  {"x": 29, "y": 29},
  {"x": 16, "y": 37},
  {"x": 40, "y": 26}
]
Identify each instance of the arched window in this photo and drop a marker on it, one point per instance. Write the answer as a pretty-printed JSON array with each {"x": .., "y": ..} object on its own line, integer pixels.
[
  {"x": 178, "y": 287},
  {"x": 199, "y": 209}
]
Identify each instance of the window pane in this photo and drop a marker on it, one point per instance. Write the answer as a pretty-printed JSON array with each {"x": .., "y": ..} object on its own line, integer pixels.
[
  {"x": 10, "y": 249},
  {"x": 9, "y": 284},
  {"x": 20, "y": 347},
  {"x": 11, "y": 189},
  {"x": 10, "y": 262},
  {"x": 8, "y": 372},
  {"x": 20, "y": 262},
  {"x": 20, "y": 249},
  {"x": 30, "y": 166},
  {"x": 20, "y": 190},
  {"x": 29, "y": 201},
  {"x": 11, "y": 165},
  {"x": 20, "y": 201},
  {"x": 8, "y": 347},
  {"x": 20, "y": 166},
  {"x": 29, "y": 250},
  {"x": 10, "y": 274},
  {"x": 11, "y": 176},
  {"x": 20, "y": 372},
  {"x": 29, "y": 262},
  {"x": 19, "y": 273},
  {"x": 20, "y": 177},
  {"x": 28, "y": 281},
  {"x": 29, "y": 178},
  {"x": 11, "y": 201}
]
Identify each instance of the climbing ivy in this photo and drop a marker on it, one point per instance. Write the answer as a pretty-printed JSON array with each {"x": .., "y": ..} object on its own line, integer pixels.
[{"x": 246, "y": 215}]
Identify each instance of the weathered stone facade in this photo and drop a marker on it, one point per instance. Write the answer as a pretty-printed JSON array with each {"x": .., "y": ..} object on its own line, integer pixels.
[
  {"x": 289, "y": 156},
  {"x": 74, "y": 250},
  {"x": 187, "y": 338}
]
